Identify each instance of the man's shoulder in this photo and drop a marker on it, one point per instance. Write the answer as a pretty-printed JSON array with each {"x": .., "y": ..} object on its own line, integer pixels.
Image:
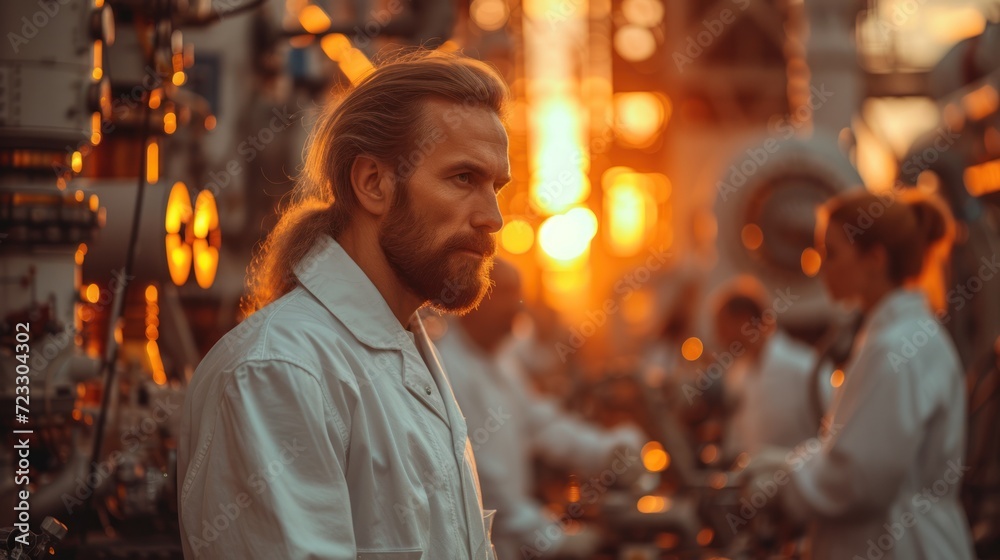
[{"x": 295, "y": 328}]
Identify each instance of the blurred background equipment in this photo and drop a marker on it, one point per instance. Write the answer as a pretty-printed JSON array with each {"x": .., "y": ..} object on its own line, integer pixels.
[{"x": 658, "y": 150}]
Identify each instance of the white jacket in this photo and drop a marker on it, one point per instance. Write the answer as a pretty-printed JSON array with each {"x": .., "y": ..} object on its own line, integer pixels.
[
  {"x": 320, "y": 429},
  {"x": 508, "y": 424},
  {"x": 885, "y": 483}
]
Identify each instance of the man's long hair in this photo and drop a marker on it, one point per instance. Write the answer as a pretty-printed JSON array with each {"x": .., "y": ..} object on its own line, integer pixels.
[{"x": 380, "y": 117}]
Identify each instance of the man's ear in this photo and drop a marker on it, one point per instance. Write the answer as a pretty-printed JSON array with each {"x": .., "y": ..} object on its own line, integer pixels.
[{"x": 372, "y": 185}]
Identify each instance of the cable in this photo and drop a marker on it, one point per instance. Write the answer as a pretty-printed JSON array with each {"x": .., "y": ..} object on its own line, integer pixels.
[{"x": 107, "y": 370}]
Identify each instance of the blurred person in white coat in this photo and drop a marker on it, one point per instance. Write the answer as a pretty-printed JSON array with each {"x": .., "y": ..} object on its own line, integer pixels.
[
  {"x": 323, "y": 427},
  {"x": 882, "y": 481},
  {"x": 768, "y": 384},
  {"x": 509, "y": 424}
]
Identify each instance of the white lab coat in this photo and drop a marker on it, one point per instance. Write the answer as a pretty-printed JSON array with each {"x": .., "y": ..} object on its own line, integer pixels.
[
  {"x": 774, "y": 407},
  {"x": 320, "y": 429},
  {"x": 508, "y": 424},
  {"x": 885, "y": 482}
]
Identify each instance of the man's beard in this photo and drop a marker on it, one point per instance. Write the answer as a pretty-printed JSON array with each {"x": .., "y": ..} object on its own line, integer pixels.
[{"x": 446, "y": 278}]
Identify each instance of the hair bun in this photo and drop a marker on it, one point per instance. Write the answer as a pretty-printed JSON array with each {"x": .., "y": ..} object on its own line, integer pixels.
[{"x": 934, "y": 221}]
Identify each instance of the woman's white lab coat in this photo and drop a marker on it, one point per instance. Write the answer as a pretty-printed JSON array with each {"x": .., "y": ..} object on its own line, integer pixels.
[
  {"x": 319, "y": 429},
  {"x": 885, "y": 482}
]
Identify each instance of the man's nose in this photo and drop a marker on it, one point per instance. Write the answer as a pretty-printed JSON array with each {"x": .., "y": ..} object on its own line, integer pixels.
[{"x": 487, "y": 216}]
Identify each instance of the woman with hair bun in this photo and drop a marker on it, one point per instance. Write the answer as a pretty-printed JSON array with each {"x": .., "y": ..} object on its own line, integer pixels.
[{"x": 883, "y": 480}]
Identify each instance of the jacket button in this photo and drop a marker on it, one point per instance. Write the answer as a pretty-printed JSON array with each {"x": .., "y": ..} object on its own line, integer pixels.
[{"x": 427, "y": 389}]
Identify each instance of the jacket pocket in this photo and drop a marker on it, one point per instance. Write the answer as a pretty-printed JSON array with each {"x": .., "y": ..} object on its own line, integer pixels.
[{"x": 409, "y": 554}]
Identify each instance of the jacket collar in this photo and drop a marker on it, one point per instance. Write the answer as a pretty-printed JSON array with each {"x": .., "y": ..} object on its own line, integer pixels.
[{"x": 332, "y": 276}]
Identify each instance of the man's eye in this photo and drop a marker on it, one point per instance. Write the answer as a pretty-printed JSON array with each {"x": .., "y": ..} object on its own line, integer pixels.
[{"x": 464, "y": 177}]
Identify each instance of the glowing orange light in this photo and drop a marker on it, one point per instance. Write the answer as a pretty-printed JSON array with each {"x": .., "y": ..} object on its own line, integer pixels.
[
  {"x": 151, "y": 293},
  {"x": 654, "y": 458},
  {"x": 653, "y": 504},
  {"x": 837, "y": 378},
  {"x": 178, "y": 78},
  {"x": 152, "y": 162},
  {"x": 93, "y": 293},
  {"x": 489, "y": 15},
  {"x": 179, "y": 210},
  {"x": 752, "y": 236},
  {"x": 95, "y": 128},
  {"x": 639, "y": 116},
  {"x": 692, "y": 349},
  {"x": 98, "y": 72},
  {"x": 566, "y": 237},
  {"x": 983, "y": 178},
  {"x": 313, "y": 19},
  {"x": 517, "y": 237},
  {"x": 811, "y": 262},
  {"x": 155, "y": 97},
  {"x": 76, "y": 162},
  {"x": 634, "y": 43},
  {"x": 210, "y": 122},
  {"x": 169, "y": 122},
  {"x": 705, "y": 536},
  {"x": 352, "y": 62}
]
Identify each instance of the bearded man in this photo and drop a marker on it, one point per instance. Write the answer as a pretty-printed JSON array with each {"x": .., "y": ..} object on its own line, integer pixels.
[{"x": 323, "y": 426}]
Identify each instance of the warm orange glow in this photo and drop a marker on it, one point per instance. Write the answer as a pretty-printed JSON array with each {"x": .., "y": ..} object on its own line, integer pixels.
[
  {"x": 981, "y": 102},
  {"x": 206, "y": 214},
  {"x": 81, "y": 252},
  {"x": 210, "y": 122},
  {"x": 93, "y": 293},
  {"x": 653, "y": 504},
  {"x": 178, "y": 259},
  {"x": 489, "y": 15},
  {"x": 151, "y": 293},
  {"x": 566, "y": 237},
  {"x": 654, "y": 458},
  {"x": 559, "y": 179},
  {"x": 752, "y": 236},
  {"x": 811, "y": 262},
  {"x": 983, "y": 178},
  {"x": 156, "y": 363},
  {"x": 705, "y": 536},
  {"x": 152, "y": 162},
  {"x": 76, "y": 162},
  {"x": 647, "y": 13},
  {"x": 634, "y": 43},
  {"x": 718, "y": 480},
  {"x": 313, "y": 19},
  {"x": 155, "y": 97},
  {"x": 950, "y": 24},
  {"x": 179, "y": 210},
  {"x": 639, "y": 116},
  {"x": 301, "y": 41},
  {"x": 692, "y": 349},
  {"x": 95, "y": 128},
  {"x": 352, "y": 62},
  {"x": 169, "y": 122},
  {"x": 178, "y": 78},
  {"x": 206, "y": 263},
  {"x": 837, "y": 378},
  {"x": 79, "y": 196},
  {"x": 98, "y": 72},
  {"x": 709, "y": 454},
  {"x": 629, "y": 210},
  {"x": 517, "y": 237}
]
